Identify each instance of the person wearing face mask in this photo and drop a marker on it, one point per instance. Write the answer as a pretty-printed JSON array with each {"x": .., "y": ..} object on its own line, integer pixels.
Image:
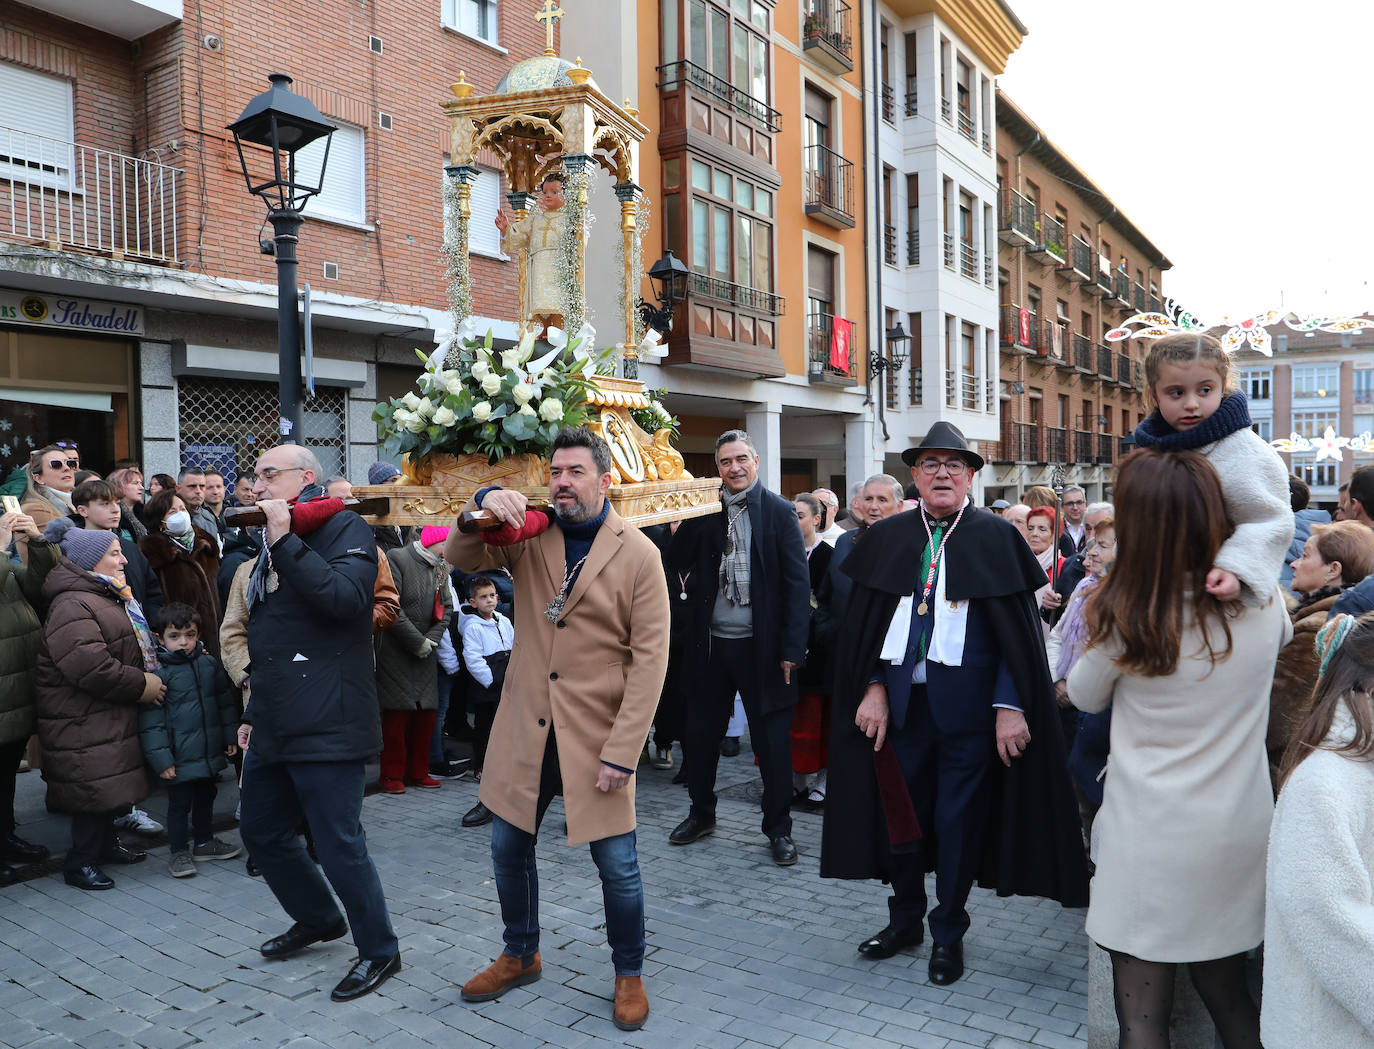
[
  {"x": 407, "y": 663},
  {"x": 186, "y": 560}
]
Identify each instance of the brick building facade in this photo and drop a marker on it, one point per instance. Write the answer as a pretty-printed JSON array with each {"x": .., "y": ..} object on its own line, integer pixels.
[
  {"x": 1071, "y": 267},
  {"x": 120, "y": 189}
]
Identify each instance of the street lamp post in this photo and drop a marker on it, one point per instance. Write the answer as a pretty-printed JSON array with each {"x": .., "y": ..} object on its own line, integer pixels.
[
  {"x": 892, "y": 361},
  {"x": 669, "y": 278},
  {"x": 284, "y": 123}
]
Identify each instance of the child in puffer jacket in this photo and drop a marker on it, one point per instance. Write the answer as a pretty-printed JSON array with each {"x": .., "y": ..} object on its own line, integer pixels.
[{"x": 189, "y": 737}]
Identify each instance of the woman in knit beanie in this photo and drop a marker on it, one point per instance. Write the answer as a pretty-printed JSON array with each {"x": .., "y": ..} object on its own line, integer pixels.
[{"x": 95, "y": 666}]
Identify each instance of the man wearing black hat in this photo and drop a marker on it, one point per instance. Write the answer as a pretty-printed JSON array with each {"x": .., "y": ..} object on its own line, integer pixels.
[{"x": 945, "y": 754}]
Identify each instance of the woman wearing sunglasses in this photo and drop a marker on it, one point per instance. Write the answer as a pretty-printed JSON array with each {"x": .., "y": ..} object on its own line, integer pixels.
[{"x": 48, "y": 494}]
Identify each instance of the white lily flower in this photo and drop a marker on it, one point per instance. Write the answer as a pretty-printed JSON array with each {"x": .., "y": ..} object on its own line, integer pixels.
[{"x": 526, "y": 347}]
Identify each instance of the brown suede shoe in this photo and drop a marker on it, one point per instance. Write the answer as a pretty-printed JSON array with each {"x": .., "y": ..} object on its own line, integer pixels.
[
  {"x": 631, "y": 1003},
  {"x": 502, "y": 975}
]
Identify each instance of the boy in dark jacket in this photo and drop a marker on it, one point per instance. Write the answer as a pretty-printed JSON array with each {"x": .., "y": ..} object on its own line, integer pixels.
[{"x": 187, "y": 739}]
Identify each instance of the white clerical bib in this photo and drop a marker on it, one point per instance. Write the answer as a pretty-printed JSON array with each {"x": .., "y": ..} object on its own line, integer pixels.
[{"x": 947, "y": 639}]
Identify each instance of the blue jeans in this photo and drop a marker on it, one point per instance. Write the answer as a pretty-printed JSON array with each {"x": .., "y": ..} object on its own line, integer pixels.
[
  {"x": 328, "y": 795},
  {"x": 517, "y": 885},
  {"x": 437, "y": 757}
]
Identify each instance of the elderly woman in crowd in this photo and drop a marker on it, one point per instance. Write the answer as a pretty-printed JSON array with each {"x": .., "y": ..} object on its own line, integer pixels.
[
  {"x": 48, "y": 493},
  {"x": 1334, "y": 558},
  {"x": 129, "y": 484},
  {"x": 1040, "y": 535},
  {"x": 95, "y": 665},
  {"x": 186, "y": 560},
  {"x": 1184, "y": 823}
]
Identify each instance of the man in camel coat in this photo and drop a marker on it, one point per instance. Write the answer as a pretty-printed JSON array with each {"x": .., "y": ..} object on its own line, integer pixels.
[{"x": 579, "y": 698}]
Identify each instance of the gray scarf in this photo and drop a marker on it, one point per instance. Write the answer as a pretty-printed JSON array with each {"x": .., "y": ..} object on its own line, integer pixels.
[{"x": 739, "y": 539}]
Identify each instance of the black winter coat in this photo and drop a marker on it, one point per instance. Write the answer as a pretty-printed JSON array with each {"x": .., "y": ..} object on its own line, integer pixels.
[
  {"x": 815, "y": 676},
  {"x": 313, "y": 683},
  {"x": 198, "y": 718},
  {"x": 780, "y": 590}
]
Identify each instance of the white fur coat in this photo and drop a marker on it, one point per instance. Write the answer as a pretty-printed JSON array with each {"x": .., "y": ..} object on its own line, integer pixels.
[{"x": 1254, "y": 483}]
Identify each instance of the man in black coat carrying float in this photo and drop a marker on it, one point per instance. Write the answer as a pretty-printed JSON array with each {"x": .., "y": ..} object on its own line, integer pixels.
[{"x": 945, "y": 753}]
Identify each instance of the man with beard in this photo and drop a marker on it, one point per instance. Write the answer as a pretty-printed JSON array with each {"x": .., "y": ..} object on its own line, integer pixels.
[
  {"x": 944, "y": 752},
  {"x": 577, "y": 703}
]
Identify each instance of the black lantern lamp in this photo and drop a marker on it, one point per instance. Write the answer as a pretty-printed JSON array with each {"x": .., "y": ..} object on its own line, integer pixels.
[
  {"x": 897, "y": 340},
  {"x": 669, "y": 278},
  {"x": 284, "y": 123}
]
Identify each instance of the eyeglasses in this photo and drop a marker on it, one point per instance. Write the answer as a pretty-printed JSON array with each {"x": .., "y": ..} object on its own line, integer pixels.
[
  {"x": 931, "y": 467},
  {"x": 57, "y": 464},
  {"x": 268, "y": 474},
  {"x": 1075, "y": 502}
]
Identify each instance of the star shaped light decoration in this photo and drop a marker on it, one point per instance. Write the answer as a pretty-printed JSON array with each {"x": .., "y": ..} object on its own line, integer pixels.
[
  {"x": 1241, "y": 332},
  {"x": 1327, "y": 446}
]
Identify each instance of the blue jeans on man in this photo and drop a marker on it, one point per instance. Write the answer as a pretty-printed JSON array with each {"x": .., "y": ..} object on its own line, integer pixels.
[
  {"x": 517, "y": 881},
  {"x": 328, "y": 795}
]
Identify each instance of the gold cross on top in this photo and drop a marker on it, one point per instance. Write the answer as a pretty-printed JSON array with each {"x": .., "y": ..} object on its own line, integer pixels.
[{"x": 549, "y": 14}]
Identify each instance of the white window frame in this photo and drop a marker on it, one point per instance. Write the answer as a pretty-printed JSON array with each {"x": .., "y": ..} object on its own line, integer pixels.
[
  {"x": 484, "y": 201},
  {"x": 1264, "y": 428},
  {"x": 1261, "y": 379},
  {"x": 451, "y": 17},
  {"x": 1324, "y": 474},
  {"x": 36, "y": 128},
  {"x": 1312, "y": 422},
  {"x": 1309, "y": 378},
  {"x": 343, "y": 196},
  {"x": 1363, "y": 377}
]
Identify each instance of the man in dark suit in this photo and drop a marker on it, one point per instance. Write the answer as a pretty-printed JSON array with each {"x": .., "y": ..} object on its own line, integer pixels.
[
  {"x": 748, "y": 609},
  {"x": 947, "y": 676},
  {"x": 1075, "y": 533}
]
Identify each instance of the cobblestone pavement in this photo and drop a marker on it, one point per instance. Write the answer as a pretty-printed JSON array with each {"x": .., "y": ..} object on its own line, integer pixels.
[{"x": 742, "y": 954}]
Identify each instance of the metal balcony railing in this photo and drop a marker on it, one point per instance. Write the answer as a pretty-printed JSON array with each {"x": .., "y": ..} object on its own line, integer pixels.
[
  {"x": 1082, "y": 446},
  {"x": 1155, "y": 305},
  {"x": 1056, "y": 445},
  {"x": 829, "y": 180},
  {"x": 676, "y": 74},
  {"x": 1080, "y": 258},
  {"x": 968, "y": 387},
  {"x": 989, "y": 394},
  {"x": 1106, "y": 449},
  {"x": 949, "y": 251},
  {"x": 915, "y": 392},
  {"x": 1025, "y": 442},
  {"x": 1138, "y": 297},
  {"x": 968, "y": 260},
  {"x": 966, "y": 125},
  {"x": 1123, "y": 369},
  {"x": 987, "y": 269},
  {"x": 951, "y": 390},
  {"x": 737, "y": 294},
  {"x": 889, "y": 103},
  {"x": 890, "y": 244},
  {"x": 913, "y": 247},
  {"x": 819, "y": 328},
  {"x": 947, "y": 111},
  {"x": 987, "y": 142},
  {"x": 1103, "y": 279},
  {"x": 61, "y": 194},
  {"x": 827, "y": 25},
  {"x": 1015, "y": 217},
  {"x": 1049, "y": 240},
  {"x": 1121, "y": 288},
  {"x": 1104, "y": 362},
  {"x": 1082, "y": 352},
  {"x": 1010, "y": 328},
  {"x": 911, "y": 108}
]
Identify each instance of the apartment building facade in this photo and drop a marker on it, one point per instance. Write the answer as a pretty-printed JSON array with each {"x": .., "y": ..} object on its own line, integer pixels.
[
  {"x": 1314, "y": 382},
  {"x": 1071, "y": 267},
  {"x": 934, "y": 180},
  {"x": 139, "y": 311}
]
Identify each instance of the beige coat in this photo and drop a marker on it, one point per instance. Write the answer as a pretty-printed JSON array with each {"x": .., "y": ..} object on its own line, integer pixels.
[
  {"x": 1184, "y": 823},
  {"x": 596, "y": 677}
]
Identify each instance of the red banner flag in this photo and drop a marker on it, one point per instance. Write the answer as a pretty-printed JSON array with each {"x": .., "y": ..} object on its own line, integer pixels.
[
  {"x": 839, "y": 344},
  {"x": 1023, "y": 323}
]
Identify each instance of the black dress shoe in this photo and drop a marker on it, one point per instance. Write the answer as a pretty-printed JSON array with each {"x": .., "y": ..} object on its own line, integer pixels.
[
  {"x": 251, "y": 868},
  {"x": 89, "y": 877},
  {"x": 690, "y": 829},
  {"x": 477, "y": 816},
  {"x": 729, "y": 747},
  {"x": 121, "y": 854},
  {"x": 946, "y": 963},
  {"x": 784, "y": 851},
  {"x": 298, "y": 937},
  {"x": 16, "y": 850},
  {"x": 8, "y": 875},
  {"x": 889, "y": 941},
  {"x": 365, "y": 977}
]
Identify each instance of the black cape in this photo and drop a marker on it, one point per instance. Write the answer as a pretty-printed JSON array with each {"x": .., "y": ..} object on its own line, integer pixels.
[{"x": 1033, "y": 844}]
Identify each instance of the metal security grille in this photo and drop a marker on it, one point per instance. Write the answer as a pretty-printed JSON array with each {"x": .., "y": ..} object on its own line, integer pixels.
[{"x": 226, "y": 424}]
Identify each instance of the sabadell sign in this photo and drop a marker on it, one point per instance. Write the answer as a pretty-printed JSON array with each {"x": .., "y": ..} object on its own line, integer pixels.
[{"x": 60, "y": 311}]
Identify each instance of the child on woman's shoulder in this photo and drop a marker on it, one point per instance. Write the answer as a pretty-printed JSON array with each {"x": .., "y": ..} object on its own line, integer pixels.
[
  {"x": 187, "y": 738},
  {"x": 1188, "y": 379}
]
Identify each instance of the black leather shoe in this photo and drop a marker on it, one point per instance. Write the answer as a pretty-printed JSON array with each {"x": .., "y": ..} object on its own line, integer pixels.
[
  {"x": 8, "y": 875},
  {"x": 690, "y": 829},
  {"x": 251, "y": 868},
  {"x": 365, "y": 977},
  {"x": 298, "y": 937},
  {"x": 121, "y": 854},
  {"x": 16, "y": 850},
  {"x": 89, "y": 878},
  {"x": 729, "y": 747},
  {"x": 477, "y": 816},
  {"x": 946, "y": 963},
  {"x": 889, "y": 941},
  {"x": 784, "y": 851}
]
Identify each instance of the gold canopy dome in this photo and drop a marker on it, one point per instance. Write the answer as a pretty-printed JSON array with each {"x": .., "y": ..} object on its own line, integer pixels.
[{"x": 537, "y": 74}]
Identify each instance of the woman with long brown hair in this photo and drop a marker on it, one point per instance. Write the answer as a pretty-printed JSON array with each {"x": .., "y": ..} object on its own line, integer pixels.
[
  {"x": 1180, "y": 839},
  {"x": 1319, "y": 919}
]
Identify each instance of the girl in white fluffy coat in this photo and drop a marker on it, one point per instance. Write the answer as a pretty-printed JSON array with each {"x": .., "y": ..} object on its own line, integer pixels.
[
  {"x": 1319, "y": 906},
  {"x": 1188, "y": 378}
]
